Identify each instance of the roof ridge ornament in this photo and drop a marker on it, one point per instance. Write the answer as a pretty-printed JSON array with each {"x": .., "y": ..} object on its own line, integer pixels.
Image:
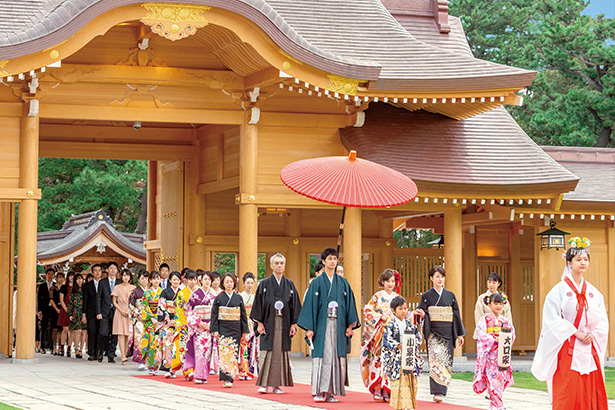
[{"x": 174, "y": 21}]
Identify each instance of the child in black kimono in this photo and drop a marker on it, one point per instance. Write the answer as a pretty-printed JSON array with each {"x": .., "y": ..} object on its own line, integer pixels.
[{"x": 403, "y": 383}]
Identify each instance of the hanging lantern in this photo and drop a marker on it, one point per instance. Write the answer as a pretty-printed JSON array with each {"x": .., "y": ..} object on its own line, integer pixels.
[{"x": 553, "y": 238}]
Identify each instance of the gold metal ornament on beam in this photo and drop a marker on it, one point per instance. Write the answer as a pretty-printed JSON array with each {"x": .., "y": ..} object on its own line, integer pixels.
[
  {"x": 343, "y": 85},
  {"x": 174, "y": 21}
]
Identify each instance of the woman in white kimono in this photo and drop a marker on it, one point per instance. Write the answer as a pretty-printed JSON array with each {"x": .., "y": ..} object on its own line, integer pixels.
[{"x": 572, "y": 344}]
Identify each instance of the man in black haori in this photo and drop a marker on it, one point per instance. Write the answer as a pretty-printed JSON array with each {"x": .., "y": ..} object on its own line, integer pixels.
[{"x": 275, "y": 310}]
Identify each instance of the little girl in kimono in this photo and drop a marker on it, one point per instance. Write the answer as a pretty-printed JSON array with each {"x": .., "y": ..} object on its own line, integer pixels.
[
  {"x": 488, "y": 375},
  {"x": 403, "y": 383}
]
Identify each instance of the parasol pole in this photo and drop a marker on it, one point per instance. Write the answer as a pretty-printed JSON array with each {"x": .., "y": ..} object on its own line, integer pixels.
[{"x": 339, "y": 238}]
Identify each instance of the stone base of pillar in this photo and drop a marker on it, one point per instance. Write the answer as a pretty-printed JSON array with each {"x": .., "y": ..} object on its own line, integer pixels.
[{"x": 25, "y": 361}]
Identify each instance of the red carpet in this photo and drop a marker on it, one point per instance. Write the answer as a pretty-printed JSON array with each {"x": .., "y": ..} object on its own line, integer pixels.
[{"x": 300, "y": 394}]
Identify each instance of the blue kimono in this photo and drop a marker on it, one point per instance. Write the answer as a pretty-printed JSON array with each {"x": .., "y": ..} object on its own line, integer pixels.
[{"x": 314, "y": 312}]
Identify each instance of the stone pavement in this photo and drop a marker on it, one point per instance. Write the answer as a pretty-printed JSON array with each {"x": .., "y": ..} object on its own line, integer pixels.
[{"x": 63, "y": 383}]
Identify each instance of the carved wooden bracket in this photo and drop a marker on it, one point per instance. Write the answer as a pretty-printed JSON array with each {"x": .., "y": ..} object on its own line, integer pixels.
[
  {"x": 174, "y": 21},
  {"x": 440, "y": 14}
]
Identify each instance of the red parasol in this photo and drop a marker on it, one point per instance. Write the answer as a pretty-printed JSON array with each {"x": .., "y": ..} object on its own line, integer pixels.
[{"x": 349, "y": 181}]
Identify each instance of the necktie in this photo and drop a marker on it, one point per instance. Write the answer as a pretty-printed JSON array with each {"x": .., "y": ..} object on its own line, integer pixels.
[{"x": 112, "y": 284}]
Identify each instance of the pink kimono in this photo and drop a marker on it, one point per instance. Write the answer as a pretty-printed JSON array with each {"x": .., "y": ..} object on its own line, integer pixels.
[{"x": 199, "y": 343}]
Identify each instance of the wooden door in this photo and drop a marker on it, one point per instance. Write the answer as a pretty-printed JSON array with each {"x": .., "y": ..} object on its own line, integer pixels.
[
  {"x": 172, "y": 209},
  {"x": 7, "y": 252}
]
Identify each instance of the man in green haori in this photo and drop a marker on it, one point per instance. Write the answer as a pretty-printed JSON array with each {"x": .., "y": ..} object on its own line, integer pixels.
[{"x": 329, "y": 316}]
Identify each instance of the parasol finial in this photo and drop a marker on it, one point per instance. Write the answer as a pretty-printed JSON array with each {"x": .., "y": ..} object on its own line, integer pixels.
[{"x": 352, "y": 155}]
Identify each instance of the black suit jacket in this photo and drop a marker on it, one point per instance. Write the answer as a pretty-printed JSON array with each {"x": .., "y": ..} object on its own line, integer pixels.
[
  {"x": 105, "y": 300},
  {"x": 42, "y": 298},
  {"x": 90, "y": 299}
]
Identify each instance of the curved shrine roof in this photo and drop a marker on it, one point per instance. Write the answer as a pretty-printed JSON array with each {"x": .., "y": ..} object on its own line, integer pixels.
[
  {"x": 354, "y": 38},
  {"x": 488, "y": 154},
  {"x": 79, "y": 230}
]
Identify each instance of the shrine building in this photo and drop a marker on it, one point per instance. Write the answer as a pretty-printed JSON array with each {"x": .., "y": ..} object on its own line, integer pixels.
[{"x": 219, "y": 95}]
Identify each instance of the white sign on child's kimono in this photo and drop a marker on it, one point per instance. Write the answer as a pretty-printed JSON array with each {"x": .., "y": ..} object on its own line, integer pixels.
[
  {"x": 408, "y": 346},
  {"x": 504, "y": 348}
]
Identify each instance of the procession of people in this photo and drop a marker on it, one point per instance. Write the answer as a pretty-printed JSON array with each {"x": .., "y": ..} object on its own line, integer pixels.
[{"x": 196, "y": 324}]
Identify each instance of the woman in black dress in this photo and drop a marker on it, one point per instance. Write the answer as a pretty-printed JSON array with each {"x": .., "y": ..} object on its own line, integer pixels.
[{"x": 229, "y": 324}]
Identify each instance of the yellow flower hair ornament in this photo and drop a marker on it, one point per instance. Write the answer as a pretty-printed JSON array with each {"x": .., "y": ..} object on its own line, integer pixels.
[{"x": 578, "y": 242}]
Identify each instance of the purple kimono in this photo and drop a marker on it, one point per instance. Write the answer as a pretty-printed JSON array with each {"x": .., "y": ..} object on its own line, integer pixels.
[{"x": 199, "y": 343}]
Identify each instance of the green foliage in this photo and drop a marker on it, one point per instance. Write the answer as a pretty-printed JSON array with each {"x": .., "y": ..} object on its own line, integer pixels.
[
  {"x": 226, "y": 262},
  {"x": 572, "y": 99},
  {"x": 415, "y": 238},
  {"x": 75, "y": 186}
]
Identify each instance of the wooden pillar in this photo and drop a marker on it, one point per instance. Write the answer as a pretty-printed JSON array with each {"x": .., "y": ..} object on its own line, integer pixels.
[
  {"x": 26, "y": 247},
  {"x": 545, "y": 277},
  {"x": 385, "y": 259},
  {"x": 352, "y": 265},
  {"x": 152, "y": 191},
  {"x": 470, "y": 287},
  {"x": 294, "y": 264},
  {"x": 515, "y": 278},
  {"x": 248, "y": 212},
  {"x": 610, "y": 241},
  {"x": 195, "y": 206},
  {"x": 453, "y": 251}
]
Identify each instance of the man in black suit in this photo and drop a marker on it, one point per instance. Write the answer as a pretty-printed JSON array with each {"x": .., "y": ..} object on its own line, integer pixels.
[
  {"x": 90, "y": 300},
  {"x": 44, "y": 310},
  {"x": 105, "y": 311}
]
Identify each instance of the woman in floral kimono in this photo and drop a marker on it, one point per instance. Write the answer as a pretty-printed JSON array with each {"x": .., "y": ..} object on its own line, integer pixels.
[
  {"x": 199, "y": 340},
  {"x": 403, "y": 383},
  {"x": 488, "y": 375},
  {"x": 166, "y": 319},
  {"x": 135, "y": 306},
  {"x": 229, "y": 323},
  {"x": 181, "y": 325},
  {"x": 248, "y": 357},
  {"x": 149, "y": 318},
  {"x": 376, "y": 313}
]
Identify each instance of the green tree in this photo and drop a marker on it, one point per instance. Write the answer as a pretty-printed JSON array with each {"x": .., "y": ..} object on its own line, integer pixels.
[
  {"x": 75, "y": 186},
  {"x": 415, "y": 238},
  {"x": 572, "y": 99}
]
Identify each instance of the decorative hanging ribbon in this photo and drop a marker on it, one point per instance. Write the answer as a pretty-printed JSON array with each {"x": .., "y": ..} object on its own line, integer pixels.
[
  {"x": 397, "y": 282},
  {"x": 581, "y": 307}
]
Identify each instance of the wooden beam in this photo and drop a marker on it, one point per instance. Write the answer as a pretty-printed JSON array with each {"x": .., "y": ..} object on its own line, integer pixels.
[
  {"x": 215, "y": 79},
  {"x": 264, "y": 78},
  {"x": 104, "y": 113},
  {"x": 278, "y": 119},
  {"x": 18, "y": 194},
  {"x": 218, "y": 186},
  {"x": 11, "y": 109},
  {"x": 98, "y": 133},
  {"x": 93, "y": 150}
]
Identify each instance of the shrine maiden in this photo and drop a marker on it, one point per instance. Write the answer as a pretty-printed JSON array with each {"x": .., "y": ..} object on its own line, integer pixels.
[
  {"x": 572, "y": 344},
  {"x": 488, "y": 374}
]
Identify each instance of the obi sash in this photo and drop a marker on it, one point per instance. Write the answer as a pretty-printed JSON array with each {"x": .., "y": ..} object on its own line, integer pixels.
[
  {"x": 153, "y": 305},
  {"x": 440, "y": 313},
  {"x": 229, "y": 313},
  {"x": 204, "y": 312}
]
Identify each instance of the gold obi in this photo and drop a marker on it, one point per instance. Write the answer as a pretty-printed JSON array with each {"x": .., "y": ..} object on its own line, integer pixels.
[
  {"x": 229, "y": 313},
  {"x": 203, "y": 312},
  {"x": 494, "y": 329},
  {"x": 440, "y": 313},
  {"x": 248, "y": 310},
  {"x": 153, "y": 306}
]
